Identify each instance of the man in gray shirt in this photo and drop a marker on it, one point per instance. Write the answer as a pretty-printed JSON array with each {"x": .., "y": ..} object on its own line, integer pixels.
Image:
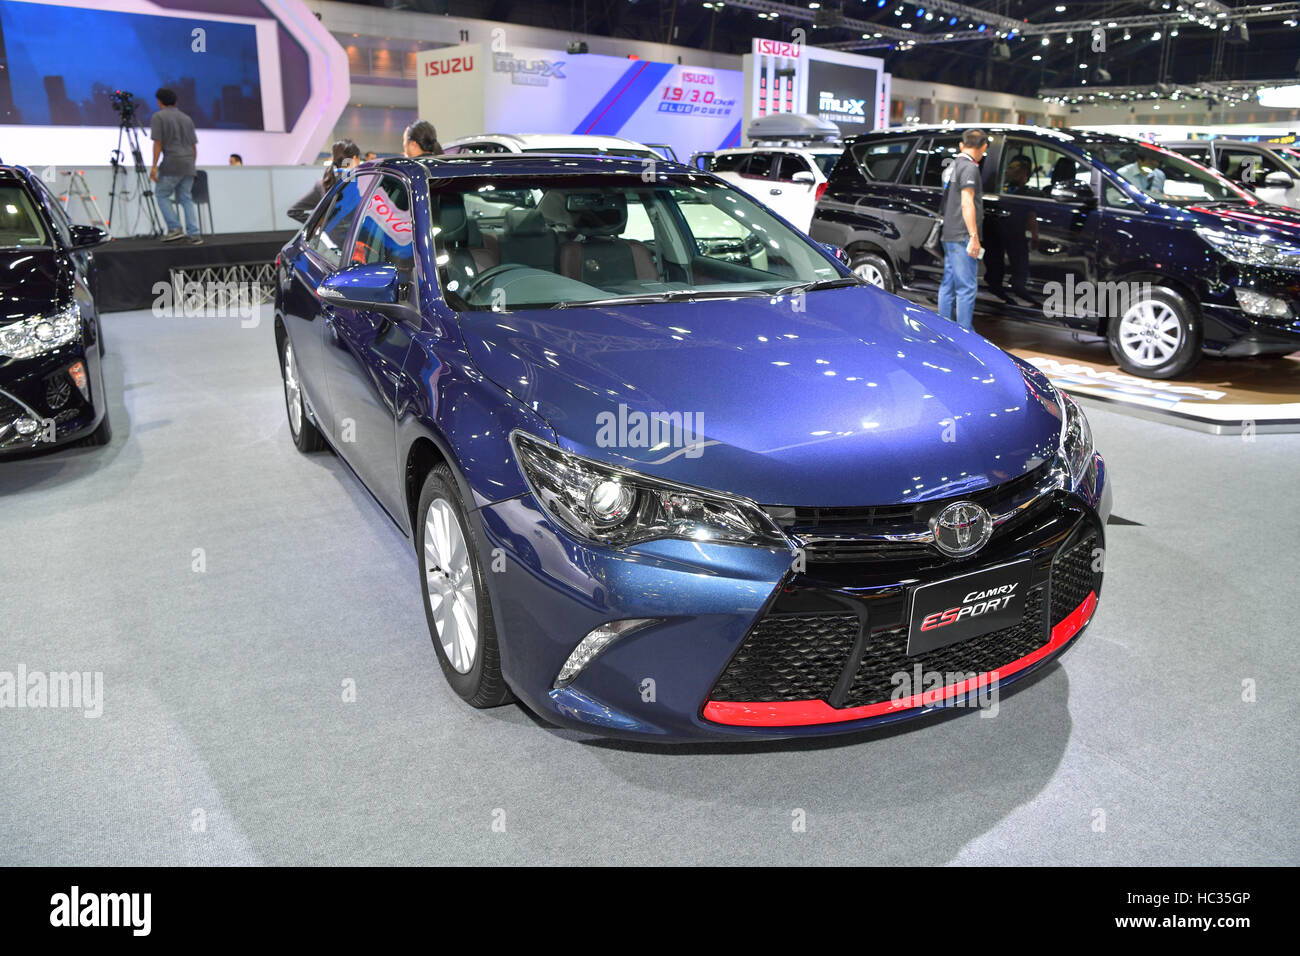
[
  {"x": 173, "y": 139},
  {"x": 963, "y": 216}
]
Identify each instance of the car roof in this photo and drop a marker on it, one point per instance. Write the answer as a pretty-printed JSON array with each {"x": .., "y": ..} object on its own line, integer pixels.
[
  {"x": 531, "y": 164},
  {"x": 536, "y": 140},
  {"x": 823, "y": 148},
  {"x": 1062, "y": 135}
]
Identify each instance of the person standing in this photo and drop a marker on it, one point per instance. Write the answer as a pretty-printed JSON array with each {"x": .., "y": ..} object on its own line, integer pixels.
[
  {"x": 963, "y": 216},
  {"x": 344, "y": 155},
  {"x": 420, "y": 139},
  {"x": 174, "y": 141}
]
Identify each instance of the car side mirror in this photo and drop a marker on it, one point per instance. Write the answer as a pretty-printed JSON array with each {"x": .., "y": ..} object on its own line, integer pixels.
[
  {"x": 837, "y": 252},
  {"x": 362, "y": 287},
  {"x": 1279, "y": 179},
  {"x": 86, "y": 237},
  {"x": 804, "y": 177},
  {"x": 1073, "y": 192}
]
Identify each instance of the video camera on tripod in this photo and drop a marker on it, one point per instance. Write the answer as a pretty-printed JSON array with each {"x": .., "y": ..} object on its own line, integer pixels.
[{"x": 128, "y": 126}]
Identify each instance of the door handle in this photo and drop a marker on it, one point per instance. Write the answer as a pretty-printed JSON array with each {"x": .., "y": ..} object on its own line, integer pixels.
[{"x": 775, "y": 192}]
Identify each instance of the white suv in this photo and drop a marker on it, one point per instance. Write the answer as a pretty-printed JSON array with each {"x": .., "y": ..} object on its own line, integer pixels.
[
  {"x": 787, "y": 179},
  {"x": 549, "y": 143}
]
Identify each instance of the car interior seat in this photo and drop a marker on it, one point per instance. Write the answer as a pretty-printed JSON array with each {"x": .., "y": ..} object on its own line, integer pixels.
[{"x": 593, "y": 251}]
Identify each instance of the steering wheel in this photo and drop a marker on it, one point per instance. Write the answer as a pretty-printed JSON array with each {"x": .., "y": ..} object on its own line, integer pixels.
[{"x": 483, "y": 277}]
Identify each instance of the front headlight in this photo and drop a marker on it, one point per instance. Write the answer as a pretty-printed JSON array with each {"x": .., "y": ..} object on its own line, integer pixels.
[
  {"x": 30, "y": 337},
  {"x": 1252, "y": 250},
  {"x": 618, "y": 507},
  {"x": 1076, "y": 440}
]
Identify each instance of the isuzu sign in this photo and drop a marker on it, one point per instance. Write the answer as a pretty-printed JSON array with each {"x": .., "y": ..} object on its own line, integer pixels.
[
  {"x": 455, "y": 64},
  {"x": 776, "y": 48}
]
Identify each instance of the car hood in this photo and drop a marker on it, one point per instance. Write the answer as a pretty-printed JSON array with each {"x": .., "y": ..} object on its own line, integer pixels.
[
  {"x": 29, "y": 283},
  {"x": 859, "y": 398},
  {"x": 1257, "y": 221}
]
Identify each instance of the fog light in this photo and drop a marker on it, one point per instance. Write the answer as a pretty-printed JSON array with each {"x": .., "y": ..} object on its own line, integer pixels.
[
  {"x": 1259, "y": 303},
  {"x": 26, "y": 426},
  {"x": 595, "y": 642}
]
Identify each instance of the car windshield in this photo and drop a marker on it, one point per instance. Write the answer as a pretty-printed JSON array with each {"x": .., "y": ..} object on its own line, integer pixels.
[
  {"x": 508, "y": 243},
  {"x": 1165, "y": 176},
  {"x": 20, "y": 225}
]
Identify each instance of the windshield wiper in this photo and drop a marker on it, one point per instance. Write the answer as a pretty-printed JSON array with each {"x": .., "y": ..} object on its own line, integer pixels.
[
  {"x": 839, "y": 282},
  {"x": 678, "y": 295}
]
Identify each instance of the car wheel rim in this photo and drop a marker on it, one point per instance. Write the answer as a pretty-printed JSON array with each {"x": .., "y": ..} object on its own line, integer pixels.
[
  {"x": 292, "y": 390},
  {"x": 1150, "y": 333},
  {"x": 453, "y": 601},
  {"x": 869, "y": 272}
]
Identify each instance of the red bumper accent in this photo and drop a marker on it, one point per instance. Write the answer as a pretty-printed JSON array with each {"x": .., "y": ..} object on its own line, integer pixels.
[{"x": 797, "y": 713}]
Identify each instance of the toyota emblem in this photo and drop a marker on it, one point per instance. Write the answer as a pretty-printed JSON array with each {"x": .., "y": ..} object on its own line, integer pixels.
[{"x": 962, "y": 528}]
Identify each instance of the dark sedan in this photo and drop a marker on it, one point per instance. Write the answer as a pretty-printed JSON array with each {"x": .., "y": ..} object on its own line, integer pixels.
[{"x": 51, "y": 382}]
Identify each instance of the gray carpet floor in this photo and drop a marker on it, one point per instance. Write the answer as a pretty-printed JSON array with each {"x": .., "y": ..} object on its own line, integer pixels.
[{"x": 225, "y": 737}]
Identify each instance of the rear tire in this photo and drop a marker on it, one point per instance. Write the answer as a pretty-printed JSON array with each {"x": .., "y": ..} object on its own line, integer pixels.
[
  {"x": 1158, "y": 336},
  {"x": 874, "y": 269},
  {"x": 306, "y": 436},
  {"x": 456, "y": 602}
]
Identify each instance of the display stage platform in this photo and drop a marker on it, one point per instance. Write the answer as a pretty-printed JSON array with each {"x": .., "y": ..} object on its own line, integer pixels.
[
  {"x": 1220, "y": 396},
  {"x": 128, "y": 269}
]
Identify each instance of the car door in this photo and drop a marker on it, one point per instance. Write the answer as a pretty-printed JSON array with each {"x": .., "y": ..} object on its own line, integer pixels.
[
  {"x": 364, "y": 349},
  {"x": 920, "y": 206},
  {"x": 795, "y": 200},
  {"x": 1046, "y": 247},
  {"x": 317, "y": 255}
]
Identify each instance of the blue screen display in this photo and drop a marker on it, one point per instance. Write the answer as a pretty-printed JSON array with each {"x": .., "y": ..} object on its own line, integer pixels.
[{"x": 60, "y": 65}]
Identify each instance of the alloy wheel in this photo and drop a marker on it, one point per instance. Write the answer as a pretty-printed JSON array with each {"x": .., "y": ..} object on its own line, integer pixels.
[
  {"x": 453, "y": 601},
  {"x": 292, "y": 389},
  {"x": 870, "y": 273},
  {"x": 1150, "y": 333}
]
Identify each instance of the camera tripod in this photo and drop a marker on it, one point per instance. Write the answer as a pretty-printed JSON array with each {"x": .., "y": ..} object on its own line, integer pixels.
[{"x": 129, "y": 129}]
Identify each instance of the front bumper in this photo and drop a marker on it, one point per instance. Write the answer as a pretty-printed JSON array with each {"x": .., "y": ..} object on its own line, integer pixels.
[
  {"x": 41, "y": 402},
  {"x": 740, "y": 650}
]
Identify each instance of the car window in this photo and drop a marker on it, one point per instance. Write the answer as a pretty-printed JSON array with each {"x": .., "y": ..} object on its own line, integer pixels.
[
  {"x": 62, "y": 224},
  {"x": 331, "y": 229},
  {"x": 759, "y": 166},
  {"x": 585, "y": 238},
  {"x": 791, "y": 163},
  {"x": 1163, "y": 175},
  {"x": 826, "y": 162},
  {"x": 727, "y": 162},
  {"x": 883, "y": 161},
  {"x": 1197, "y": 154},
  {"x": 383, "y": 234},
  {"x": 1247, "y": 166},
  {"x": 20, "y": 223},
  {"x": 939, "y": 153},
  {"x": 1032, "y": 169},
  {"x": 480, "y": 148}
]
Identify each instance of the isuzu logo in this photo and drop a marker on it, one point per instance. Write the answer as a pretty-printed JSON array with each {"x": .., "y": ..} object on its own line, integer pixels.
[{"x": 962, "y": 528}]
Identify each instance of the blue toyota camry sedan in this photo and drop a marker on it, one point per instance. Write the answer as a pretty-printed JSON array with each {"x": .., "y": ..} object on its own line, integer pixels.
[{"x": 668, "y": 468}]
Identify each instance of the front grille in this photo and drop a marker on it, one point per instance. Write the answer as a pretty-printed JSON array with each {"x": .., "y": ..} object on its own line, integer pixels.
[
  {"x": 790, "y": 657},
  {"x": 1072, "y": 578},
  {"x": 836, "y": 535},
  {"x": 810, "y": 643},
  {"x": 886, "y": 656}
]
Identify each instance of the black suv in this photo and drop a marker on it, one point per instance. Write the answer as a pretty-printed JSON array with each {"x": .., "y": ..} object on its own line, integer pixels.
[{"x": 1088, "y": 231}]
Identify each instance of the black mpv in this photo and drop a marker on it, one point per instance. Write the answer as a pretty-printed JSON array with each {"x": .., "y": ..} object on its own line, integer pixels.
[{"x": 1088, "y": 231}]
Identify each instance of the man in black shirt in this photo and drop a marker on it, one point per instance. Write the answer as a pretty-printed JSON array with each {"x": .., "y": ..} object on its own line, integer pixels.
[{"x": 963, "y": 214}]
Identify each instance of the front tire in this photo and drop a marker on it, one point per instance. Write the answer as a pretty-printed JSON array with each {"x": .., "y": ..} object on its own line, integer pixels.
[
  {"x": 874, "y": 270},
  {"x": 456, "y": 603},
  {"x": 306, "y": 437},
  {"x": 1158, "y": 336}
]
